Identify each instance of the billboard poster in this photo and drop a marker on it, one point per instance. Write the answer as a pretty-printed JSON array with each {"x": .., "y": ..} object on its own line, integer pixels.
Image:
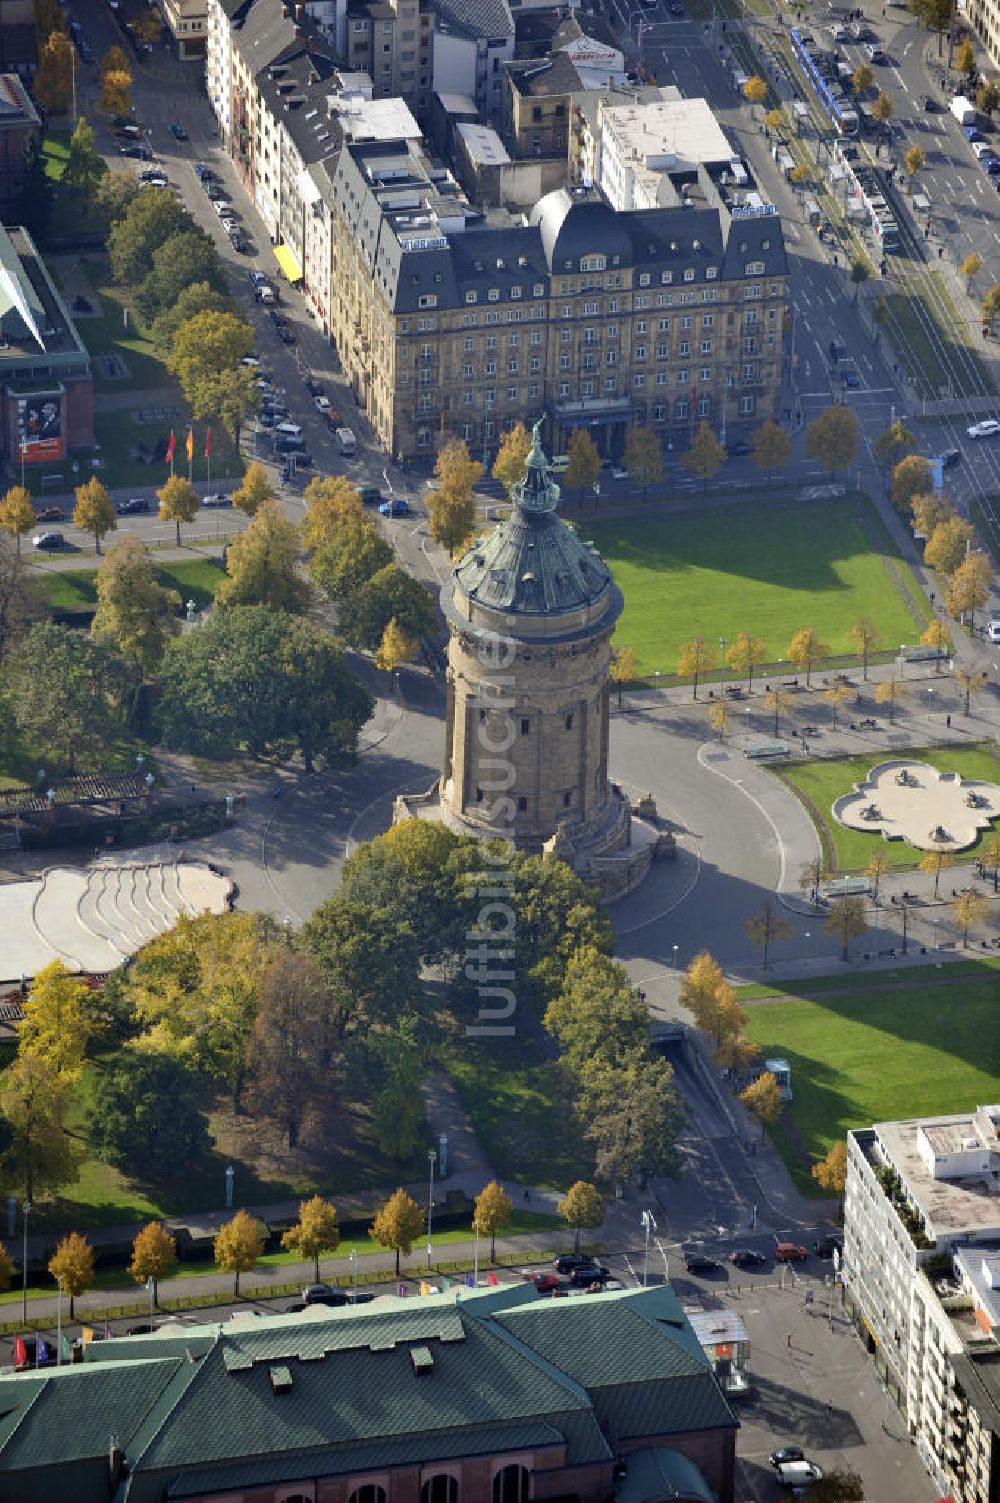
[{"x": 39, "y": 428}]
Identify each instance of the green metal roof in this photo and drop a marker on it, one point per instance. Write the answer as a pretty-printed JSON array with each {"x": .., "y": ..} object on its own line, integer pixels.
[
  {"x": 658, "y": 1472},
  {"x": 227, "y": 1407}
]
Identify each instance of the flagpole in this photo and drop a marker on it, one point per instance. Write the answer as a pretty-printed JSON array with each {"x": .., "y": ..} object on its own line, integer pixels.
[{"x": 59, "y": 1324}]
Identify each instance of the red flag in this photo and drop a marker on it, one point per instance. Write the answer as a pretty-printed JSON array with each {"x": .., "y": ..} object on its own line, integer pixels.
[
  {"x": 171, "y": 446},
  {"x": 208, "y": 443},
  {"x": 20, "y": 1352}
]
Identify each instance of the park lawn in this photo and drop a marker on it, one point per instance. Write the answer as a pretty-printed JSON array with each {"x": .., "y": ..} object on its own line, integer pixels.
[
  {"x": 755, "y": 991},
  {"x": 875, "y": 1054},
  {"x": 819, "y": 783},
  {"x": 76, "y": 589},
  {"x": 349, "y": 1159},
  {"x": 55, "y": 154},
  {"x": 761, "y": 566},
  {"x": 520, "y": 1109},
  {"x": 110, "y": 332}
]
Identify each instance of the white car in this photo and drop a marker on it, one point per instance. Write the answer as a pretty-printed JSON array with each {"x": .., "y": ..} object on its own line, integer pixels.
[
  {"x": 993, "y": 631},
  {"x": 618, "y": 473},
  {"x": 985, "y": 429},
  {"x": 322, "y": 404}
]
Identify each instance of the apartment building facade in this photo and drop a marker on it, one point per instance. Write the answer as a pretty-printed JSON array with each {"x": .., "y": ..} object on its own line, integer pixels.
[
  {"x": 922, "y": 1284},
  {"x": 449, "y": 325}
]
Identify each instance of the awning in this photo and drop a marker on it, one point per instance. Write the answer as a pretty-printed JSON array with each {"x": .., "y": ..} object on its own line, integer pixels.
[{"x": 289, "y": 265}]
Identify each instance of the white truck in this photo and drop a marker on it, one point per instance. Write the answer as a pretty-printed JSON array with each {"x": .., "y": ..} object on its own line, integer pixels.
[
  {"x": 345, "y": 438},
  {"x": 963, "y": 110}
]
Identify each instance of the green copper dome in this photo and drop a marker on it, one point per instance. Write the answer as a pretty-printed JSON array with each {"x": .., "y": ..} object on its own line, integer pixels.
[{"x": 533, "y": 564}]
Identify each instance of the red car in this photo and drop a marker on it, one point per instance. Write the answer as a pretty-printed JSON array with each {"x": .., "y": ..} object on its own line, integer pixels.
[
  {"x": 543, "y": 1282},
  {"x": 790, "y": 1252},
  {"x": 50, "y": 514}
]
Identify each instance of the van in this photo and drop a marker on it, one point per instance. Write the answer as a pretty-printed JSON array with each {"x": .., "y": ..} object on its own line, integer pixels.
[
  {"x": 345, "y": 438},
  {"x": 370, "y": 495}
]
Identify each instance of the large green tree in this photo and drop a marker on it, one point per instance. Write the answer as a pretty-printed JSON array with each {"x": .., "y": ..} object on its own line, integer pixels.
[
  {"x": 84, "y": 164},
  {"x": 20, "y": 601},
  {"x": 188, "y": 258},
  {"x": 41, "y": 1155},
  {"x": 149, "y": 220},
  {"x": 146, "y": 1118},
  {"x": 255, "y": 678},
  {"x": 389, "y": 592},
  {"x": 198, "y": 297},
  {"x": 67, "y": 693}
]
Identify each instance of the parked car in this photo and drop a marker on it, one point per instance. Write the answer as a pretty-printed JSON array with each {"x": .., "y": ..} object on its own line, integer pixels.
[
  {"x": 203, "y": 173},
  {"x": 216, "y": 499},
  {"x": 993, "y": 631},
  {"x": 50, "y": 514},
  {"x": 929, "y": 105},
  {"x": 791, "y": 1252},
  {"x": 313, "y": 387},
  {"x": 851, "y": 379},
  {"x": 543, "y": 1282},
  {"x": 178, "y": 131},
  {"x": 986, "y": 428},
  {"x": 333, "y": 417},
  {"x": 48, "y": 542},
  {"x": 135, "y": 506},
  {"x": 825, "y": 1247},
  {"x": 566, "y": 1262},
  {"x": 747, "y": 1257},
  {"x": 586, "y": 1274},
  {"x": 696, "y": 1261},
  {"x": 875, "y": 54},
  {"x": 285, "y": 334},
  {"x": 398, "y": 506},
  {"x": 140, "y": 150},
  {"x": 948, "y": 457},
  {"x": 619, "y": 472},
  {"x": 321, "y": 403},
  {"x": 786, "y": 1453},
  {"x": 324, "y": 1294},
  {"x": 796, "y": 1474}
]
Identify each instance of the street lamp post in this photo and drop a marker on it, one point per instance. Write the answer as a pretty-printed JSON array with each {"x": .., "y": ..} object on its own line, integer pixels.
[
  {"x": 151, "y": 1286},
  {"x": 354, "y": 1269},
  {"x": 475, "y": 1266},
  {"x": 676, "y": 948},
  {"x": 648, "y": 1225},
  {"x": 432, "y": 1160},
  {"x": 25, "y": 1213},
  {"x": 723, "y": 644}
]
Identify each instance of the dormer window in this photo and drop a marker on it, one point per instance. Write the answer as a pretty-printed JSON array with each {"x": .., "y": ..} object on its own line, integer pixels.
[
  {"x": 427, "y": 300},
  {"x": 689, "y": 273},
  {"x": 515, "y": 292},
  {"x": 644, "y": 279},
  {"x": 711, "y": 272},
  {"x": 593, "y": 263},
  {"x": 666, "y": 277},
  {"x": 538, "y": 290},
  {"x": 494, "y": 294},
  {"x": 755, "y": 268},
  {"x": 471, "y": 297}
]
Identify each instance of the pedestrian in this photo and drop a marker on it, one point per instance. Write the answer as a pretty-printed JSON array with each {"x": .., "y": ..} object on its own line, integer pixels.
[
  {"x": 947, "y": 721},
  {"x": 789, "y": 1340},
  {"x": 527, "y": 1196}
]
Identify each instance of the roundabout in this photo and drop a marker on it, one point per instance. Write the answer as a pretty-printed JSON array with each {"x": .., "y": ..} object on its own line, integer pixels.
[{"x": 917, "y": 803}]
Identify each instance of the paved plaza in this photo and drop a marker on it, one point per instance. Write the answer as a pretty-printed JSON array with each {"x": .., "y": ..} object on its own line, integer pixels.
[
  {"x": 912, "y": 801},
  {"x": 92, "y": 918}
]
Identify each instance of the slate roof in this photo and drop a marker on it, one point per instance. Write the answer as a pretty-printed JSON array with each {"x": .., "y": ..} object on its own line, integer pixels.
[
  {"x": 487, "y": 19},
  {"x": 594, "y": 28},
  {"x": 223, "y": 1408},
  {"x": 539, "y": 80},
  {"x": 295, "y": 87}
]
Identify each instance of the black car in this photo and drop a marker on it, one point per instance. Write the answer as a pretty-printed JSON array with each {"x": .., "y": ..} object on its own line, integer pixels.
[
  {"x": 324, "y": 1294},
  {"x": 786, "y": 1453},
  {"x": 133, "y": 507},
  {"x": 359, "y": 1296},
  {"x": 826, "y": 1246},
  {"x": 929, "y": 105},
  {"x": 701, "y": 1262},
  {"x": 314, "y": 387},
  {"x": 566, "y": 1262},
  {"x": 139, "y": 150},
  {"x": 285, "y": 334},
  {"x": 586, "y": 1274},
  {"x": 747, "y": 1257},
  {"x": 948, "y": 457}
]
